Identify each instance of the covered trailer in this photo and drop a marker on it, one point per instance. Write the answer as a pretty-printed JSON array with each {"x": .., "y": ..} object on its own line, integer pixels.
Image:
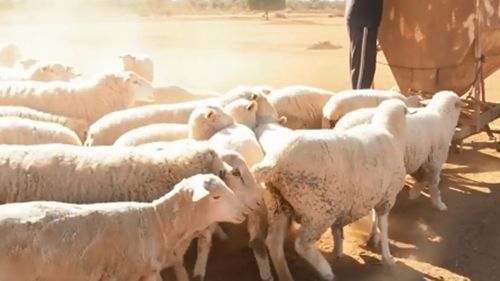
[{"x": 433, "y": 45}]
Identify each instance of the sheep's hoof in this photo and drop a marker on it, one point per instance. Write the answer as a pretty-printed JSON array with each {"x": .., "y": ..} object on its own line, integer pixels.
[
  {"x": 198, "y": 278},
  {"x": 440, "y": 206},
  {"x": 388, "y": 261}
]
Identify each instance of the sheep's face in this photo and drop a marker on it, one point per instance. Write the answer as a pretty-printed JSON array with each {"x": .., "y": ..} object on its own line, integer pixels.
[
  {"x": 447, "y": 102},
  {"x": 137, "y": 85},
  {"x": 53, "y": 72},
  {"x": 207, "y": 120},
  {"x": 213, "y": 201},
  {"x": 243, "y": 112},
  {"x": 241, "y": 181}
]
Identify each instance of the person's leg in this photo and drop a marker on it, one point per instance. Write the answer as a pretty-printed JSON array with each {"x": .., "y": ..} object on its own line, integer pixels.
[
  {"x": 356, "y": 40},
  {"x": 370, "y": 58}
]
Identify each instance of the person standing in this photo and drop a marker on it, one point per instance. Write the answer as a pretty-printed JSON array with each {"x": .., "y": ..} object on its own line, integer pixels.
[{"x": 363, "y": 19}]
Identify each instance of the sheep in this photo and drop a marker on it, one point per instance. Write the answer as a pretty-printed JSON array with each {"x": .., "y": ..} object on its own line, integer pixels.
[
  {"x": 9, "y": 54},
  {"x": 140, "y": 64},
  {"x": 324, "y": 178},
  {"x": 16, "y": 130},
  {"x": 243, "y": 112},
  {"x": 153, "y": 133},
  {"x": 110, "y": 127},
  {"x": 173, "y": 93},
  {"x": 302, "y": 105},
  {"x": 105, "y": 174},
  {"x": 429, "y": 132},
  {"x": 42, "y": 72},
  {"x": 349, "y": 100},
  {"x": 88, "y": 100},
  {"x": 110, "y": 241},
  {"x": 79, "y": 126},
  {"x": 213, "y": 124}
]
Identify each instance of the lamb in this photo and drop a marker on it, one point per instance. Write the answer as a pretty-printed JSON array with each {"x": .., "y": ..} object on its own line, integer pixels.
[
  {"x": 301, "y": 105},
  {"x": 429, "y": 132},
  {"x": 349, "y": 100},
  {"x": 140, "y": 64},
  {"x": 243, "y": 112},
  {"x": 173, "y": 93},
  {"x": 106, "y": 174},
  {"x": 213, "y": 124},
  {"x": 354, "y": 171},
  {"x": 79, "y": 126},
  {"x": 110, "y": 241},
  {"x": 9, "y": 54},
  {"x": 109, "y": 128},
  {"x": 153, "y": 133},
  {"x": 88, "y": 100},
  {"x": 42, "y": 72},
  {"x": 15, "y": 130}
]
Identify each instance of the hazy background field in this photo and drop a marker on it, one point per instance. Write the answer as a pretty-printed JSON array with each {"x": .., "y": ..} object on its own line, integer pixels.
[{"x": 217, "y": 49}]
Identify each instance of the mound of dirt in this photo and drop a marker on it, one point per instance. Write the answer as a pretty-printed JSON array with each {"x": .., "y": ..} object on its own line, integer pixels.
[{"x": 324, "y": 45}]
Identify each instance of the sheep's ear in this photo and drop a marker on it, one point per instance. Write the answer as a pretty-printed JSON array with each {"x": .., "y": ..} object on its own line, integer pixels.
[
  {"x": 199, "y": 193},
  {"x": 253, "y": 96},
  {"x": 210, "y": 114},
  {"x": 252, "y": 105},
  {"x": 460, "y": 104},
  {"x": 236, "y": 172},
  {"x": 282, "y": 120}
]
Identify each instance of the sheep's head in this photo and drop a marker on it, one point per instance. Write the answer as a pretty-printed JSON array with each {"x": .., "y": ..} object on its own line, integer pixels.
[
  {"x": 211, "y": 199},
  {"x": 243, "y": 111},
  {"x": 391, "y": 115},
  {"x": 447, "y": 103},
  {"x": 241, "y": 181},
  {"x": 135, "y": 84},
  {"x": 206, "y": 120},
  {"x": 46, "y": 72}
]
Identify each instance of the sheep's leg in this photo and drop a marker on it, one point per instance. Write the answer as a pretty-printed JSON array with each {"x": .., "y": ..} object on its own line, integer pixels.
[
  {"x": 383, "y": 213},
  {"x": 374, "y": 238},
  {"x": 220, "y": 233},
  {"x": 180, "y": 272},
  {"x": 275, "y": 242},
  {"x": 204, "y": 245},
  {"x": 436, "y": 199},
  {"x": 415, "y": 191},
  {"x": 338, "y": 240},
  {"x": 258, "y": 245},
  {"x": 304, "y": 245}
]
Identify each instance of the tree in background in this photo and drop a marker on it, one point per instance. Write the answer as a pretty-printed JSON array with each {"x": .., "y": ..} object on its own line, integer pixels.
[{"x": 266, "y": 5}]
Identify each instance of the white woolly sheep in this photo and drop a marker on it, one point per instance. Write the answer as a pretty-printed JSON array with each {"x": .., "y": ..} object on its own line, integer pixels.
[
  {"x": 301, "y": 105},
  {"x": 213, "y": 124},
  {"x": 79, "y": 126},
  {"x": 428, "y": 136},
  {"x": 105, "y": 174},
  {"x": 88, "y": 100},
  {"x": 349, "y": 100},
  {"x": 153, "y": 133},
  {"x": 173, "y": 93},
  {"x": 140, "y": 64},
  {"x": 42, "y": 72},
  {"x": 15, "y": 130},
  {"x": 243, "y": 112},
  {"x": 110, "y": 127},
  {"x": 9, "y": 54},
  {"x": 116, "y": 241},
  {"x": 324, "y": 178}
]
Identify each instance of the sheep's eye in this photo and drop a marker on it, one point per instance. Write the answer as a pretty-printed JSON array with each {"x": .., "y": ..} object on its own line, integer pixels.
[{"x": 216, "y": 197}]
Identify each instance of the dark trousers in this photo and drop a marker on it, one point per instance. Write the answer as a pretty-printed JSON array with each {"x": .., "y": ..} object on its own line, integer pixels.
[{"x": 356, "y": 38}]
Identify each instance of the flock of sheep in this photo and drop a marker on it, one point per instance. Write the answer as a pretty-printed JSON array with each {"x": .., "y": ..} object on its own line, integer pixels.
[{"x": 98, "y": 186}]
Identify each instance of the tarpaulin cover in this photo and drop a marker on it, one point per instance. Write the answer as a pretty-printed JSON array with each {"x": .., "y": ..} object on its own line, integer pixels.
[{"x": 430, "y": 44}]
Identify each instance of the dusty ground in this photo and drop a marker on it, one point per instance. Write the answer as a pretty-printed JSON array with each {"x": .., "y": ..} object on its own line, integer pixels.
[{"x": 218, "y": 53}]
